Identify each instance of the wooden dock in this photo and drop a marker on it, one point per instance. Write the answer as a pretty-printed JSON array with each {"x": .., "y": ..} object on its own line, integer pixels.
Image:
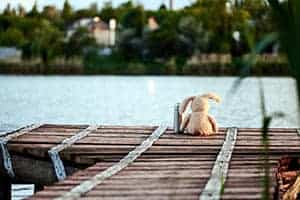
[{"x": 141, "y": 162}]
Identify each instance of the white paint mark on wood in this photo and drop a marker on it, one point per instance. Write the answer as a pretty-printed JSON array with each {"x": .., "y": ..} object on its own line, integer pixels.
[
  {"x": 213, "y": 187},
  {"x": 54, "y": 151}
]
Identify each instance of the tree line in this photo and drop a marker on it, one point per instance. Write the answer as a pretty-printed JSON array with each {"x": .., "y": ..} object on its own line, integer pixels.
[{"x": 205, "y": 26}]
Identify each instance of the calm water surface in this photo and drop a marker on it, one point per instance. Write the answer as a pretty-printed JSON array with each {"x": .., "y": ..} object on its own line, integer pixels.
[
  {"x": 129, "y": 100},
  {"x": 137, "y": 100}
]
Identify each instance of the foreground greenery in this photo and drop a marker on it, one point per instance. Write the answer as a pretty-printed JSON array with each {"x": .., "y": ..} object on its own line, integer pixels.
[
  {"x": 286, "y": 16},
  {"x": 204, "y": 27}
]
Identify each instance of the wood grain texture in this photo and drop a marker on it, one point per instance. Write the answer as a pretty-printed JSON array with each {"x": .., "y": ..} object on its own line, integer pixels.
[
  {"x": 176, "y": 166},
  {"x": 88, "y": 185}
]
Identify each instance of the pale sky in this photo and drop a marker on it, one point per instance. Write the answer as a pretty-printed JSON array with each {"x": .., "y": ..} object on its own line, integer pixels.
[{"x": 149, "y": 4}]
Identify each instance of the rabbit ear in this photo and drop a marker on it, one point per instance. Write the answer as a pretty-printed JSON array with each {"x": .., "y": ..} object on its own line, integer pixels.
[{"x": 185, "y": 103}]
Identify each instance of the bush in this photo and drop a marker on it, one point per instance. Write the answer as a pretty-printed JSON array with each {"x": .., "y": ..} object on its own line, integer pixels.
[{"x": 12, "y": 37}]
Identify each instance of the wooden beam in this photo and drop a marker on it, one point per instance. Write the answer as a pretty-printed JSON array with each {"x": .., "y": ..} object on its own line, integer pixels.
[
  {"x": 34, "y": 171},
  {"x": 88, "y": 185},
  {"x": 5, "y": 188},
  {"x": 215, "y": 184}
]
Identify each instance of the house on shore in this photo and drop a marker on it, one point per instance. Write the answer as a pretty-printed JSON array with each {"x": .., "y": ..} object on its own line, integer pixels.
[
  {"x": 104, "y": 34},
  {"x": 152, "y": 24}
]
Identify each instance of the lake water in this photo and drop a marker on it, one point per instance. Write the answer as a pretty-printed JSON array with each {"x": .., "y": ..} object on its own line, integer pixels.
[{"x": 143, "y": 100}]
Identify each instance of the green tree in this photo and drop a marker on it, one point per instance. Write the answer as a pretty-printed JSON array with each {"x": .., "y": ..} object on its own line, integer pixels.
[
  {"x": 131, "y": 39},
  {"x": 93, "y": 9},
  {"x": 12, "y": 37},
  {"x": 254, "y": 17},
  {"x": 162, "y": 7},
  {"x": 130, "y": 46},
  {"x": 28, "y": 26},
  {"x": 21, "y": 11},
  {"x": 107, "y": 12},
  {"x": 67, "y": 11},
  {"x": 83, "y": 13},
  {"x": 167, "y": 42},
  {"x": 79, "y": 41},
  {"x": 192, "y": 30},
  {"x": 50, "y": 13},
  {"x": 47, "y": 43},
  {"x": 34, "y": 11},
  {"x": 215, "y": 18},
  {"x": 7, "y": 10},
  {"x": 134, "y": 19}
]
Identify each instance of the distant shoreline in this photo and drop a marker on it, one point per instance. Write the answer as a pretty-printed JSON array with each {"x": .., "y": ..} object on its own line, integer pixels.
[
  {"x": 277, "y": 70},
  {"x": 208, "y": 65}
]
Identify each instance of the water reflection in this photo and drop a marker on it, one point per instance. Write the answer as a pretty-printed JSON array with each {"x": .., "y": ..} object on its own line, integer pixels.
[{"x": 151, "y": 87}]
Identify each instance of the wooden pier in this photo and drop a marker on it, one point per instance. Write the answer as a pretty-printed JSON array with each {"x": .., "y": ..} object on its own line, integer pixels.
[{"x": 141, "y": 162}]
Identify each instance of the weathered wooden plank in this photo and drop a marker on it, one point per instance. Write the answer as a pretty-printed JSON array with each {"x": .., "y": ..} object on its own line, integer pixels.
[
  {"x": 274, "y": 133},
  {"x": 108, "y": 193},
  {"x": 99, "y": 178},
  {"x": 153, "y": 184},
  {"x": 202, "y": 173},
  {"x": 125, "y": 139},
  {"x": 112, "y": 180},
  {"x": 164, "y": 142},
  {"x": 58, "y": 130},
  {"x": 166, "y": 167},
  {"x": 91, "y": 159},
  {"x": 163, "y": 164},
  {"x": 182, "y": 196},
  {"x": 248, "y": 182},
  {"x": 70, "y": 141},
  {"x": 219, "y": 172},
  {"x": 40, "y": 136},
  {"x": 81, "y": 150},
  {"x": 139, "y": 197},
  {"x": 67, "y": 126},
  {"x": 100, "y": 140},
  {"x": 19, "y": 132},
  {"x": 131, "y": 127},
  {"x": 269, "y": 130},
  {"x": 109, "y": 155},
  {"x": 159, "y": 149}
]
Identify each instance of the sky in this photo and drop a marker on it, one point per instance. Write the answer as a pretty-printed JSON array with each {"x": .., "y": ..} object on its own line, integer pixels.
[{"x": 78, "y": 4}]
